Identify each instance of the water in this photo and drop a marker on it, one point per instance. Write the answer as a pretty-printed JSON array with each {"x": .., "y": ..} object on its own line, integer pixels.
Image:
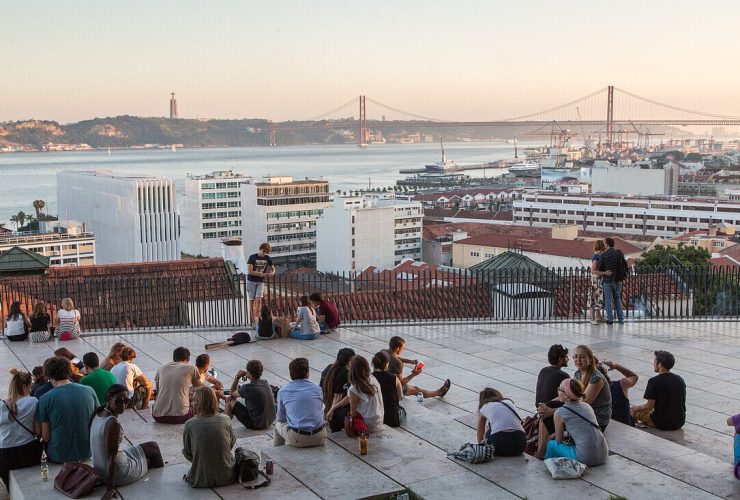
[{"x": 25, "y": 177}]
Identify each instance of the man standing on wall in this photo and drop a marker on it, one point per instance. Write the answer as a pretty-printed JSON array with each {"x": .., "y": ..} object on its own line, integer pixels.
[{"x": 259, "y": 267}]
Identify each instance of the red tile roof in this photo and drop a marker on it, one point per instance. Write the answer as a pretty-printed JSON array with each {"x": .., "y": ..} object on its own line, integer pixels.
[
  {"x": 434, "y": 230},
  {"x": 724, "y": 261},
  {"x": 564, "y": 248},
  {"x": 503, "y": 215}
]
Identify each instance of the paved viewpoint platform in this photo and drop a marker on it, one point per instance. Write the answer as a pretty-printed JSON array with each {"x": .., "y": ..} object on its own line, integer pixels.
[{"x": 694, "y": 462}]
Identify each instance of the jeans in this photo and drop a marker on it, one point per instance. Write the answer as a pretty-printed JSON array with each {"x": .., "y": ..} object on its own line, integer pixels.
[
  {"x": 613, "y": 293},
  {"x": 298, "y": 334}
]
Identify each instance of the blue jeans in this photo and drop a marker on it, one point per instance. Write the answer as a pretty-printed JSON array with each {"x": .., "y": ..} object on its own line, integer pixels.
[
  {"x": 737, "y": 456},
  {"x": 298, "y": 334},
  {"x": 613, "y": 293}
]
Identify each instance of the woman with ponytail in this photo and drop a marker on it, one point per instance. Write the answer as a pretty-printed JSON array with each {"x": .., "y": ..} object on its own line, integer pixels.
[
  {"x": 596, "y": 382},
  {"x": 585, "y": 442},
  {"x": 19, "y": 445},
  {"x": 118, "y": 466},
  {"x": 334, "y": 384}
]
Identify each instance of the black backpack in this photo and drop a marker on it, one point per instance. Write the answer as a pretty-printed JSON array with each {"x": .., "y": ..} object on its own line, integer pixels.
[
  {"x": 622, "y": 268},
  {"x": 247, "y": 468}
]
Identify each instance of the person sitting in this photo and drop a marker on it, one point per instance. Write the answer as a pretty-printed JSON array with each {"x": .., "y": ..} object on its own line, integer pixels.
[
  {"x": 68, "y": 321},
  {"x": 266, "y": 324},
  {"x": 97, "y": 378},
  {"x": 64, "y": 413},
  {"x": 118, "y": 466},
  {"x": 589, "y": 444},
  {"x": 75, "y": 365},
  {"x": 130, "y": 375},
  {"x": 390, "y": 388},
  {"x": 550, "y": 377},
  {"x": 306, "y": 327},
  {"x": 203, "y": 364},
  {"x": 38, "y": 378},
  {"x": 396, "y": 345},
  {"x": 17, "y": 324},
  {"x": 45, "y": 386},
  {"x": 173, "y": 382},
  {"x": 334, "y": 384},
  {"x": 665, "y": 394},
  {"x": 19, "y": 447},
  {"x": 620, "y": 393},
  {"x": 300, "y": 410},
  {"x": 114, "y": 356},
  {"x": 734, "y": 421},
  {"x": 593, "y": 375},
  {"x": 328, "y": 316},
  {"x": 40, "y": 322},
  {"x": 365, "y": 398},
  {"x": 258, "y": 410},
  {"x": 505, "y": 431},
  {"x": 207, "y": 443}
]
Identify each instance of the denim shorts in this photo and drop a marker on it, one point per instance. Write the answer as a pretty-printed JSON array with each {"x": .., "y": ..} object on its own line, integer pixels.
[{"x": 255, "y": 289}]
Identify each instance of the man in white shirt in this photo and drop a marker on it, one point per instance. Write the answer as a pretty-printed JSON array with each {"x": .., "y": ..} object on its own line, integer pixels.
[{"x": 128, "y": 374}]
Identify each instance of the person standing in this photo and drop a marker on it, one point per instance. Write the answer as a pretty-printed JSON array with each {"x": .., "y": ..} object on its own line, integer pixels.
[
  {"x": 613, "y": 269},
  {"x": 259, "y": 268},
  {"x": 64, "y": 413},
  {"x": 665, "y": 395},
  {"x": 97, "y": 378},
  {"x": 596, "y": 293},
  {"x": 258, "y": 409},
  {"x": 173, "y": 382},
  {"x": 300, "y": 410}
]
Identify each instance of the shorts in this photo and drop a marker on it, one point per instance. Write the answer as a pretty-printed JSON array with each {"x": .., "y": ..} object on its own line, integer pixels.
[
  {"x": 507, "y": 443},
  {"x": 555, "y": 449},
  {"x": 255, "y": 289}
]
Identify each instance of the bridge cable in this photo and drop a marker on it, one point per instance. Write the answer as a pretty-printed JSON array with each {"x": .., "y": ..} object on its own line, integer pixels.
[{"x": 676, "y": 108}]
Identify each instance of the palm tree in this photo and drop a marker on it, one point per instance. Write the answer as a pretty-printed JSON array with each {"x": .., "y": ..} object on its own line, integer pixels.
[
  {"x": 21, "y": 218},
  {"x": 14, "y": 220},
  {"x": 38, "y": 205}
]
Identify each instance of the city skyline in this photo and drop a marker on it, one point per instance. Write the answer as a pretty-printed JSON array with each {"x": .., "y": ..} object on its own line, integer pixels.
[{"x": 76, "y": 60}]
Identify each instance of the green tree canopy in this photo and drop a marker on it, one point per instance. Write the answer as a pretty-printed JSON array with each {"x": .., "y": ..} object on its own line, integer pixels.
[{"x": 661, "y": 255}]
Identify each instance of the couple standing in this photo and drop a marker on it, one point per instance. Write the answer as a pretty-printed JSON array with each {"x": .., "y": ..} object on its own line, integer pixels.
[{"x": 608, "y": 270}]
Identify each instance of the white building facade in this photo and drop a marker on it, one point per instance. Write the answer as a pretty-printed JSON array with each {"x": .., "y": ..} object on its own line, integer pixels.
[
  {"x": 658, "y": 216},
  {"x": 357, "y": 232},
  {"x": 283, "y": 213},
  {"x": 134, "y": 218},
  {"x": 211, "y": 212},
  {"x": 638, "y": 179},
  {"x": 66, "y": 243}
]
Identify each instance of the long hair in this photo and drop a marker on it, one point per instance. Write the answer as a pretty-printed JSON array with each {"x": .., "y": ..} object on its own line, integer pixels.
[
  {"x": 593, "y": 365},
  {"x": 343, "y": 357},
  {"x": 599, "y": 246},
  {"x": 15, "y": 311},
  {"x": 489, "y": 395},
  {"x": 115, "y": 350},
  {"x": 19, "y": 380},
  {"x": 39, "y": 310},
  {"x": 264, "y": 323},
  {"x": 205, "y": 402},
  {"x": 67, "y": 304},
  {"x": 359, "y": 375}
]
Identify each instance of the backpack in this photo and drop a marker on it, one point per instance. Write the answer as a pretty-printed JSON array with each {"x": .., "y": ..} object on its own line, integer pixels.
[
  {"x": 473, "y": 453},
  {"x": 622, "y": 268},
  {"x": 247, "y": 468}
]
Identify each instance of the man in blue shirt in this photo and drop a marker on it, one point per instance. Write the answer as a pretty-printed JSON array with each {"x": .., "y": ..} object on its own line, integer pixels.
[
  {"x": 64, "y": 413},
  {"x": 300, "y": 410}
]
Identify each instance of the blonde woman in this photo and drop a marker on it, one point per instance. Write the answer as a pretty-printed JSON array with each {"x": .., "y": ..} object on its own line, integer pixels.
[
  {"x": 596, "y": 291},
  {"x": 68, "y": 321},
  {"x": 19, "y": 447}
]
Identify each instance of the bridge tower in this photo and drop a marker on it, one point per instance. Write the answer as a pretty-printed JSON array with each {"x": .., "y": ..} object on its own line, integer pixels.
[
  {"x": 610, "y": 115},
  {"x": 272, "y": 134},
  {"x": 363, "y": 132}
]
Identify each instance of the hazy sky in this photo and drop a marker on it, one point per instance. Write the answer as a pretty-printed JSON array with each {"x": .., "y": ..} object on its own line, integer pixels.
[{"x": 69, "y": 60}]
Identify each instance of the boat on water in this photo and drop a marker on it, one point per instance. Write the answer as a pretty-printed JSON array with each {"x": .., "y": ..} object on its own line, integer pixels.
[
  {"x": 526, "y": 167},
  {"x": 443, "y": 166}
]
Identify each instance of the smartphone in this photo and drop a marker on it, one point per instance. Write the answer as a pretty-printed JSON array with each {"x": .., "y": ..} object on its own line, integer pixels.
[{"x": 419, "y": 366}]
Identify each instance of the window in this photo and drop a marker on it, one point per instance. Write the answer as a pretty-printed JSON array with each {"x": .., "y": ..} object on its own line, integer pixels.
[
  {"x": 474, "y": 254},
  {"x": 208, "y": 185},
  {"x": 208, "y": 196}
]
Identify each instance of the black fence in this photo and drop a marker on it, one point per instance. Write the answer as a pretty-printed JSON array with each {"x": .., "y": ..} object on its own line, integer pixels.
[{"x": 541, "y": 295}]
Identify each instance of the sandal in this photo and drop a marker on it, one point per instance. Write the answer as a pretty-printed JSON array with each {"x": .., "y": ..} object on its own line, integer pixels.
[{"x": 445, "y": 388}]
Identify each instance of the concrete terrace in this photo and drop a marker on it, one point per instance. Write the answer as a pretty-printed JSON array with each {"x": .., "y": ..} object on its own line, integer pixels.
[{"x": 692, "y": 463}]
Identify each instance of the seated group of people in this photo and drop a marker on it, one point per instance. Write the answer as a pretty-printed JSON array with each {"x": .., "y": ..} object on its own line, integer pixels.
[
  {"x": 16, "y": 326},
  {"x": 315, "y": 316}
]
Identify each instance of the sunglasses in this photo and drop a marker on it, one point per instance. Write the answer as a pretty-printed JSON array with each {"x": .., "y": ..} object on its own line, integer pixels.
[{"x": 122, "y": 401}]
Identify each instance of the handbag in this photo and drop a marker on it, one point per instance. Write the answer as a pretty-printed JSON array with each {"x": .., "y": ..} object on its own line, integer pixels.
[
  {"x": 477, "y": 453},
  {"x": 531, "y": 427},
  {"x": 355, "y": 426},
  {"x": 76, "y": 480},
  {"x": 247, "y": 469}
]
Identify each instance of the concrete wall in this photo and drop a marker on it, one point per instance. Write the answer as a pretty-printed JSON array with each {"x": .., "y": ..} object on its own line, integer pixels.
[
  {"x": 634, "y": 180},
  {"x": 334, "y": 239}
]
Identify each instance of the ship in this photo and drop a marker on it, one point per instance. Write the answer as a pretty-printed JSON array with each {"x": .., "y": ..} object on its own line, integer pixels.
[
  {"x": 526, "y": 167},
  {"x": 443, "y": 166}
]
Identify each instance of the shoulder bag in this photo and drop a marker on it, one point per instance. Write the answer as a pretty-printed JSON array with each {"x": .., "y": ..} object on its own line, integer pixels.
[
  {"x": 76, "y": 480},
  {"x": 512, "y": 411},
  {"x": 247, "y": 469},
  {"x": 584, "y": 418}
]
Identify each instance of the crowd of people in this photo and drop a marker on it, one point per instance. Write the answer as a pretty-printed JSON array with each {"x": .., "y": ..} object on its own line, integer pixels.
[{"x": 38, "y": 327}]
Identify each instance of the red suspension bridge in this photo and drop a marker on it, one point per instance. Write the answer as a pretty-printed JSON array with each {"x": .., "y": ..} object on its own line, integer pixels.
[{"x": 611, "y": 109}]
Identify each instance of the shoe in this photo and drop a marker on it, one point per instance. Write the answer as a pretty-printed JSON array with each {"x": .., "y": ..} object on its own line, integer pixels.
[
  {"x": 609, "y": 322},
  {"x": 445, "y": 388},
  {"x": 621, "y": 322},
  {"x": 594, "y": 322}
]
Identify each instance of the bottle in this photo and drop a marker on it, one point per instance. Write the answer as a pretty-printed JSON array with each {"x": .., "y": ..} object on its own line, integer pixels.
[
  {"x": 44, "y": 467},
  {"x": 363, "y": 444},
  {"x": 420, "y": 398}
]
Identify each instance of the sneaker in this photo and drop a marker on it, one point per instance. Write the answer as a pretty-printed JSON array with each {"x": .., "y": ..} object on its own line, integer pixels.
[
  {"x": 609, "y": 322},
  {"x": 594, "y": 322}
]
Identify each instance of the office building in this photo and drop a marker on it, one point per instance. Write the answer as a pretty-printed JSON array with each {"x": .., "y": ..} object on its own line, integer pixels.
[
  {"x": 283, "y": 213},
  {"x": 134, "y": 218},
  {"x": 639, "y": 179},
  {"x": 66, "y": 243},
  {"x": 211, "y": 212},
  {"x": 654, "y": 216},
  {"x": 357, "y": 232}
]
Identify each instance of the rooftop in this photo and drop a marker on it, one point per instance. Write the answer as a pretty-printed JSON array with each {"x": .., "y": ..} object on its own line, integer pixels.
[
  {"x": 581, "y": 249},
  {"x": 689, "y": 464}
]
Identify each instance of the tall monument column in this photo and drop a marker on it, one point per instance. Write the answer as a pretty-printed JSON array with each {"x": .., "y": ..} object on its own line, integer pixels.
[{"x": 173, "y": 106}]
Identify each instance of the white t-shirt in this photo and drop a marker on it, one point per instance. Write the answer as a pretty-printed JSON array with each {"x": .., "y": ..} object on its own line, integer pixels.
[
  {"x": 125, "y": 374},
  {"x": 14, "y": 327},
  {"x": 501, "y": 418},
  {"x": 11, "y": 433},
  {"x": 370, "y": 407}
]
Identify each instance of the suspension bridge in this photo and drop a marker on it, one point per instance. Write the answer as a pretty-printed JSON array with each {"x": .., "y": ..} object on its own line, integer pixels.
[{"x": 612, "y": 110}]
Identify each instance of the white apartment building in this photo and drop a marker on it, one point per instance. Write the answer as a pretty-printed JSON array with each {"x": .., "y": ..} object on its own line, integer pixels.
[
  {"x": 283, "y": 213},
  {"x": 134, "y": 218},
  {"x": 638, "y": 179},
  {"x": 654, "y": 216},
  {"x": 66, "y": 243},
  {"x": 211, "y": 212},
  {"x": 357, "y": 232}
]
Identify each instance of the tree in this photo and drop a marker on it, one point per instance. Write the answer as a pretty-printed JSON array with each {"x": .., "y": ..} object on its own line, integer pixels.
[
  {"x": 39, "y": 205},
  {"x": 20, "y": 218},
  {"x": 661, "y": 255}
]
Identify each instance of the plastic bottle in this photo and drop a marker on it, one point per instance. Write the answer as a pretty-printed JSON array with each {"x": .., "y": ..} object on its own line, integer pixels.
[
  {"x": 44, "y": 467},
  {"x": 363, "y": 444},
  {"x": 420, "y": 398}
]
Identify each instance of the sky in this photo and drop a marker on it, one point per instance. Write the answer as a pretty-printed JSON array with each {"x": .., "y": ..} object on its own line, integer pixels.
[{"x": 70, "y": 60}]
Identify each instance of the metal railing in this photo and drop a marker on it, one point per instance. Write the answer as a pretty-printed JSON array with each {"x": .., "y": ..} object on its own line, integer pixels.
[{"x": 411, "y": 296}]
